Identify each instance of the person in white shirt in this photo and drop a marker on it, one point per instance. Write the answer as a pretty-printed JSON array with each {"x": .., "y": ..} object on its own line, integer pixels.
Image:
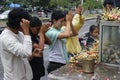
[{"x": 16, "y": 46}]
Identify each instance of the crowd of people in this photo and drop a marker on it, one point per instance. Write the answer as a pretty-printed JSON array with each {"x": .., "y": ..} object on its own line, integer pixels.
[{"x": 22, "y": 42}]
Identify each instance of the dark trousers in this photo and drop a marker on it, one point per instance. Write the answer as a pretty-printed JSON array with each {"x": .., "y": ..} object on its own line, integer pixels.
[
  {"x": 37, "y": 68},
  {"x": 53, "y": 66}
]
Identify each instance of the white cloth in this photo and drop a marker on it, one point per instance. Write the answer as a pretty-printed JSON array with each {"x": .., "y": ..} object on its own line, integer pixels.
[{"x": 14, "y": 50}]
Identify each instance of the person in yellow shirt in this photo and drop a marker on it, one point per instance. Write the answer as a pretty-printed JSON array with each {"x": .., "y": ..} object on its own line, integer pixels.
[{"x": 72, "y": 44}]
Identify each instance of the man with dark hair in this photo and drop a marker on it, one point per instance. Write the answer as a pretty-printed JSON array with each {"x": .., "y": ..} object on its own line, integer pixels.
[
  {"x": 14, "y": 18},
  {"x": 57, "y": 49},
  {"x": 16, "y": 46}
]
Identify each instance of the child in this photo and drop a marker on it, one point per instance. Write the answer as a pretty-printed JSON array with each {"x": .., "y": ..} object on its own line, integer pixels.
[
  {"x": 57, "y": 49},
  {"x": 91, "y": 37}
]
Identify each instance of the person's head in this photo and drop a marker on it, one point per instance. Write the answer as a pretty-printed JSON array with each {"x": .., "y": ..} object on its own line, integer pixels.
[
  {"x": 108, "y": 4},
  {"x": 79, "y": 8},
  {"x": 35, "y": 25},
  {"x": 58, "y": 18},
  {"x": 78, "y": 5},
  {"x": 15, "y": 16},
  {"x": 94, "y": 31}
]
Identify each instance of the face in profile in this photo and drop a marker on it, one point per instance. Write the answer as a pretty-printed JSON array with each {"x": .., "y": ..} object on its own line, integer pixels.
[
  {"x": 35, "y": 30},
  {"x": 79, "y": 7},
  {"x": 95, "y": 33},
  {"x": 59, "y": 23}
]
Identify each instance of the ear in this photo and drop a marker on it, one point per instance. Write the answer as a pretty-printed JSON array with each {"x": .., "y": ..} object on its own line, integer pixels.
[{"x": 54, "y": 21}]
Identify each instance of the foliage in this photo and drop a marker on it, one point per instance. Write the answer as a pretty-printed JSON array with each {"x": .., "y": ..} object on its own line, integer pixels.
[
  {"x": 60, "y": 3},
  {"x": 44, "y": 3},
  {"x": 91, "y": 4},
  {"x": 54, "y": 3},
  {"x": 2, "y": 2}
]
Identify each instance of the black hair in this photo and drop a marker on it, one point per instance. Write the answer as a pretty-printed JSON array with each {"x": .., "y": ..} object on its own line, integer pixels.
[
  {"x": 110, "y": 2},
  {"x": 58, "y": 14},
  {"x": 35, "y": 22},
  {"x": 65, "y": 12},
  {"x": 15, "y": 16},
  {"x": 92, "y": 28}
]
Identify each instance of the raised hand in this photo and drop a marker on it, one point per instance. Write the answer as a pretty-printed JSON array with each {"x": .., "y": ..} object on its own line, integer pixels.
[
  {"x": 37, "y": 52},
  {"x": 69, "y": 16},
  {"x": 79, "y": 9},
  {"x": 44, "y": 28},
  {"x": 25, "y": 26}
]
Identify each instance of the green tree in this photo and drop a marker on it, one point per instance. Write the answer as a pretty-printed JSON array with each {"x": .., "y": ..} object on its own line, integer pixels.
[
  {"x": 44, "y": 3},
  {"x": 63, "y": 3},
  {"x": 92, "y": 4}
]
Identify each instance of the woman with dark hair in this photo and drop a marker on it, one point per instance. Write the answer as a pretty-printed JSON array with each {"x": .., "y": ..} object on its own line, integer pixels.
[{"x": 36, "y": 62}]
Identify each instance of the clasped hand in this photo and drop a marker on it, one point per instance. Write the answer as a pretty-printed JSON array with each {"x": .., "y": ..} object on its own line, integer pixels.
[{"x": 37, "y": 52}]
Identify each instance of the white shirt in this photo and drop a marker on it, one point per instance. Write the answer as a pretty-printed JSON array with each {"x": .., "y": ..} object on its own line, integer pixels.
[{"x": 14, "y": 50}]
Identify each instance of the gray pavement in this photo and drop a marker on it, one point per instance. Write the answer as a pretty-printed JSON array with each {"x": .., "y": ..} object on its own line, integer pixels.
[{"x": 84, "y": 29}]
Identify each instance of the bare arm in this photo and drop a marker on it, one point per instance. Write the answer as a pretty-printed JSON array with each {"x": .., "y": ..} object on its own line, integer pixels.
[
  {"x": 78, "y": 19},
  {"x": 43, "y": 37},
  {"x": 67, "y": 31},
  {"x": 73, "y": 31},
  {"x": 47, "y": 40},
  {"x": 25, "y": 26}
]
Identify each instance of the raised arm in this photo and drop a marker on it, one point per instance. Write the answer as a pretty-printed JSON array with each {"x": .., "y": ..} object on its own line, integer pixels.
[
  {"x": 78, "y": 19},
  {"x": 43, "y": 37},
  {"x": 67, "y": 31},
  {"x": 73, "y": 31}
]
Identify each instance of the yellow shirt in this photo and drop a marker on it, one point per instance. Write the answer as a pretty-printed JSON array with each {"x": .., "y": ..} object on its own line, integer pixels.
[{"x": 72, "y": 43}]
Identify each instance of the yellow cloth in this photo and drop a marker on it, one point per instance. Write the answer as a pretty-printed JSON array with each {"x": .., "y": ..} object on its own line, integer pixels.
[
  {"x": 78, "y": 21},
  {"x": 72, "y": 43}
]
